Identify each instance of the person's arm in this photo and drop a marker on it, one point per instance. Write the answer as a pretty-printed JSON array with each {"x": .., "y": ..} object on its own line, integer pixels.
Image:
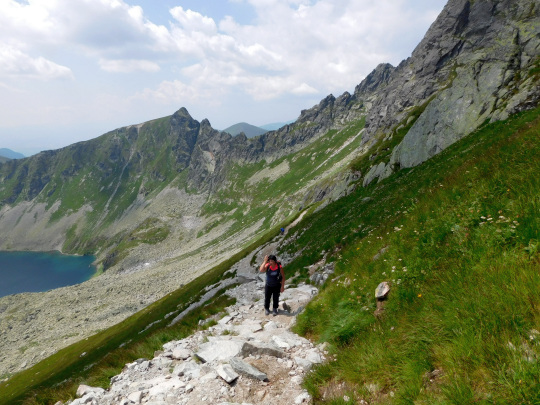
[
  {"x": 282, "y": 278},
  {"x": 262, "y": 269}
]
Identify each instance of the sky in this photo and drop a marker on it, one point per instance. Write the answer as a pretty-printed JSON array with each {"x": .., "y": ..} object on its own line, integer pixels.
[{"x": 71, "y": 70}]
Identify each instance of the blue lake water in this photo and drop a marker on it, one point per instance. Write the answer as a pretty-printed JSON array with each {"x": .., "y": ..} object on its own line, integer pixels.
[{"x": 39, "y": 271}]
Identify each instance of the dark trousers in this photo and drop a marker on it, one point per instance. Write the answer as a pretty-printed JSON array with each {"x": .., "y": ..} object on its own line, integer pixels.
[{"x": 271, "y": 292}]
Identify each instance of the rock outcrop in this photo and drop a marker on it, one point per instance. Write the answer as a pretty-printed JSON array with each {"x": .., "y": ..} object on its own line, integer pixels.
[{"x": 476, "y": 64}]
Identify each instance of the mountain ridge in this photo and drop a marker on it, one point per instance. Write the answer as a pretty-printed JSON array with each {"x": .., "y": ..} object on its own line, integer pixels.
[{"x": 8, "y": 153}]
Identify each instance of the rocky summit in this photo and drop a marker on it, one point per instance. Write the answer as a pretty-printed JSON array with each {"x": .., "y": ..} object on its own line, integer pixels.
[{"x": 246, "y": 358}]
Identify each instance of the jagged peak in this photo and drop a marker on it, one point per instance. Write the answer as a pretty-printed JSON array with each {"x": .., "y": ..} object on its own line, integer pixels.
[
  {"x": 378, "y": 76},
  {"x": 325, "y": 102},
  {"x": 206, "y": 123},
  {"x": 182, "y": 113}
]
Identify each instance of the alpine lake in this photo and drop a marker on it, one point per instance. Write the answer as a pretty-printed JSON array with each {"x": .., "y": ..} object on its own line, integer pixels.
[{"x": 42, "y": 271}]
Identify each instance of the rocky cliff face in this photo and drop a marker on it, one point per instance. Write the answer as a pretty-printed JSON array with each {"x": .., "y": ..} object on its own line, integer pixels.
[{"x": 478, "y": 62}]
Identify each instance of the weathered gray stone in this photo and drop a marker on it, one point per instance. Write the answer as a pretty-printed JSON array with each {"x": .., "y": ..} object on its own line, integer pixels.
[
  {"x": 304, "y": 363},
  {"x": 271, "y": 325},
  {"x": 287, "y": 340},
  {"x": 381, "y": 252},
  {"x": 162, "y": 385},
  {"x": 471, "y": 66},
  {"x": 373, "y": 173},
  {"x": 135, "y": 397},
  {"x": 246, "y": 369},
  {"x": 247, "y": 328},
  {"x": 187, "y": 368},
  {"x": 219, "y": 350},
  {"x": 226, "y": 372},
  {"x": 259, "y": 349},
  {"x": 382, "y": 290},
  {"x": 85, "y": 389},
  {"x": 181, "y": 354},
  {"x": 313, "y": 356},
  {"x": 225, "y": 320}
]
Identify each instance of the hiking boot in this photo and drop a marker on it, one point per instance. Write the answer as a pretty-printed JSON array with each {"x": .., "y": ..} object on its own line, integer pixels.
[
  {"x": 275, "y": 312},
  {"x": 266, "y": 312}
]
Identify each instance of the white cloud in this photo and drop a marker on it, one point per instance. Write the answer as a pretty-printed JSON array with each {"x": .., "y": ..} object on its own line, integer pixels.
[
  {"x": 178, "y": 93},
  {"x": 288, "y": 52},
  {"x": 128, "y": 66},
  {"x": 193, "y": 22},
  {"x": 295, "y": 47},
  {"x": 15, "y": 63}
]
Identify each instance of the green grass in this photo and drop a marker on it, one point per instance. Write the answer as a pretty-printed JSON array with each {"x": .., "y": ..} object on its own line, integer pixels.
[
  {"x": 129, "y": 163},
  {"x": 461, "y": 233}
]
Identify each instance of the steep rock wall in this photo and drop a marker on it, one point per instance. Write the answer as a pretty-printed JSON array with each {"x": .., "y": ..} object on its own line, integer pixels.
[{"x": 475, "y": 64}]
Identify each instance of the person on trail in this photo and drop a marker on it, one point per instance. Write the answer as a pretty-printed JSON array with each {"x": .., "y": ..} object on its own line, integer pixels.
[{"x": 275, "y": 282}]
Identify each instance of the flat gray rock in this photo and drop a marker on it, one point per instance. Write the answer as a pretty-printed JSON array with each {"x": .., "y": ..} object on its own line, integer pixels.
[
  {"x": 181, "y": 354},
  {"x": 135, "y": 397},
  {"x": 226, "y": 372},
  {"x": 187, "y": 368},
  {"x": 243, "y": 368},
  {"x": 85, "y": 389},
  {"x": 247, "y": 328},
  {"x": 304, "y": 363},
  {"x": 259, "y": 349},
  {"x": 219, "y": 350}
]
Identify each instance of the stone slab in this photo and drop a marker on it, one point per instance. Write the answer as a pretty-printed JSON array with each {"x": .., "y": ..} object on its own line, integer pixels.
[
  {"x": 243, "y": 368},
  {"x": 219, "y": 350},
  {"x": 226, "y": 372}
]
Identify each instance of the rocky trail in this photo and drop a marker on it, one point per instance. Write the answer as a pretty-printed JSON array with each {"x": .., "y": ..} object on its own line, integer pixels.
[{"x": 246, "y": 358}]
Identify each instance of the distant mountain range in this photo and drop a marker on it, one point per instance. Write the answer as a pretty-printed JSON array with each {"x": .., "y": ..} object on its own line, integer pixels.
[
  {"x": 9, "y": 154},
  {"x": 251, "y": 130}
]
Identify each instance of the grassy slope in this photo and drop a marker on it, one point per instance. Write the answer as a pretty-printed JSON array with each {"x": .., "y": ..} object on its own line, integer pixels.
[
  {"x": 247, "y": 203},
  {"x": 129, "y": 165},
  {"x": 462, "y": 320}
]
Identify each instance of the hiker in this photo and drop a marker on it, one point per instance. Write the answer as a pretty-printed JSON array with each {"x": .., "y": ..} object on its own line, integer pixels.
[
  {"x": 282, "y": 231},
  {"x": 275, "y": 282}
]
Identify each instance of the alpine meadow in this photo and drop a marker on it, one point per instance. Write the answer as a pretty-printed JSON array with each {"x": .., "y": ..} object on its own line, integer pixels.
[{"x": 411, "y": 216}]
